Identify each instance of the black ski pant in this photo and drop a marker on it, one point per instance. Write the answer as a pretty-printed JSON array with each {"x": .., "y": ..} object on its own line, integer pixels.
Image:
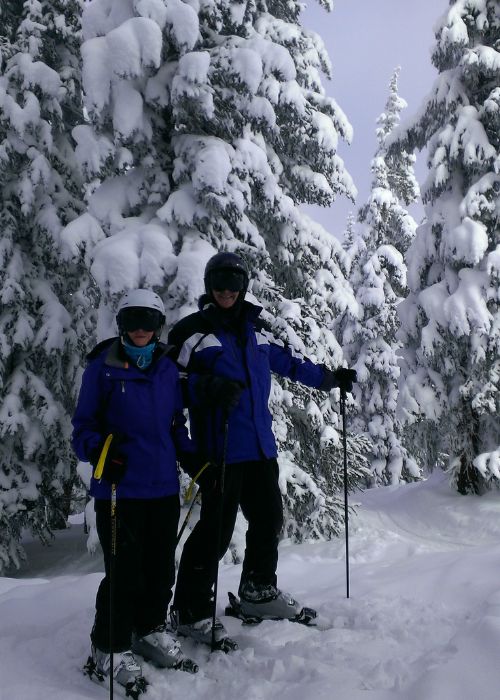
[
  {"x": 253, "y": 486},
  {"x": 144, "y": 571}
]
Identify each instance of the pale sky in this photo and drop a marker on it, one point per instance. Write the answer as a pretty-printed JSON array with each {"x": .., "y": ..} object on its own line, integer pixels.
[{"x": 366, "y": 40}]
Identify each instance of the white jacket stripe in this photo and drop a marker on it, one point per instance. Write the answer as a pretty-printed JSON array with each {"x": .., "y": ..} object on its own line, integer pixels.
[
  {"x": 262, "y": 337},
  {"x": 196, "y": 342}
]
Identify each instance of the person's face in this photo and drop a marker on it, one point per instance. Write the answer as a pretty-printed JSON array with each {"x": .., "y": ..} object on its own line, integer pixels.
[
  {"x": 140, "y": 337},
  {"x": 225, "y": 298},
  {"x": 140, "y": 324},
  {"x": 226, "y": 286}
]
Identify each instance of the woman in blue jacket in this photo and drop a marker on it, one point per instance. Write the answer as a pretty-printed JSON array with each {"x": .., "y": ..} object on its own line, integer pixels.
[
  {"x": 229, "y": 355},
  {"x": 131, "y": 390}
]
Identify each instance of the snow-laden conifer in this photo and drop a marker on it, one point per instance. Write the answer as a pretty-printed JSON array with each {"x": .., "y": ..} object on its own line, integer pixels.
[
  {"x": 208, "y": 126},
  {"x": 378, "y": 278},
  {"x": 451, "y": 319},
  {"x": 349, "y": 232},
  {"x": 41, "y": 300}
]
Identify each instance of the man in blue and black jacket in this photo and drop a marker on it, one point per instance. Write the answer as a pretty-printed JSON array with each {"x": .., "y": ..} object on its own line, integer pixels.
[{"x": 228, "y": 354}]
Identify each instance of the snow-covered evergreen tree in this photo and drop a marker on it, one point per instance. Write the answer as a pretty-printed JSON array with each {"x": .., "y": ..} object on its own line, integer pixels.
[
  {"x": 451, "y": 319},
  {"x": 350, "y": 231},
  {"x": 41, "y": 300},
  {"x": 208, "y": 127},
  {"x": 307, "y": 426},
  {"x": 378, "y": 277}
]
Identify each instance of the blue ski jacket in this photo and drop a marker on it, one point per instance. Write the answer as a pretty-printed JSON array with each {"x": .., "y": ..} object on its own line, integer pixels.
[
  {"x": 203, "y": 343},
  {"x": 142, "y": 406}
]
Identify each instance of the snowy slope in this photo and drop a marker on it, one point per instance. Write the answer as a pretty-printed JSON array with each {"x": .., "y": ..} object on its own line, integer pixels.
[{"x": 422, "y": 623}]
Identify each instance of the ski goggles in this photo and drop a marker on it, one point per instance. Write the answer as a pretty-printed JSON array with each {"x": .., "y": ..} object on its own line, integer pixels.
[
  {"x": 135, "y": 317},
  {"x": 230, "y": 280}
]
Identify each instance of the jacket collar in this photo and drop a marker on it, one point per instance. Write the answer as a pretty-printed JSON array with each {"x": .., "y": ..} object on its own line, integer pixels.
[
  {"x": 115, "y": 356},
  {"x": 211, "y": 311}
]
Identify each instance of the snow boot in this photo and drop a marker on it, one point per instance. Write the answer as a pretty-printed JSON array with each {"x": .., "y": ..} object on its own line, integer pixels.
[
  {"x": 163, "y": 650},
  {"x": 201, "y": 631},
  {"x": 126, "y": 671}
]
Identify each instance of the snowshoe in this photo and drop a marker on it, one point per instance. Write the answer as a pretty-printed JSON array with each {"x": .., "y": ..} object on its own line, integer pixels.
[
  {"x": 127, "y": 673},
  {"x": 280, "y": 607},
  {"x": 201, "y": 631},
  {"x": 161, "y": 649}
]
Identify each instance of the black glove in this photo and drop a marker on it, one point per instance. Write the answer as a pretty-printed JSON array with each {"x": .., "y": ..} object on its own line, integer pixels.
[
  {"x": 115, "y": 464},
  {"x": 211, "y": 389},
  {"x": 342, "y": 378}
]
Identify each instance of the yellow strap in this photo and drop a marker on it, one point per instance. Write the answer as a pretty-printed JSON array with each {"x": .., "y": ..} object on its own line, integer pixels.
[
  {"x": 102, "y": 457},
  {"x": 194, "y": 480}
]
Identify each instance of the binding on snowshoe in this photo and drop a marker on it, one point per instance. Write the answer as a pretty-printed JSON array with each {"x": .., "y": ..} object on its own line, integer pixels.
[
  {"x": 226, "y": 644},
  {"x": 160, "y": 648},
  {"x": 133, "y": 689},
  {"x": 201, "y": 631},
  {"x": 250, "y": 616}
]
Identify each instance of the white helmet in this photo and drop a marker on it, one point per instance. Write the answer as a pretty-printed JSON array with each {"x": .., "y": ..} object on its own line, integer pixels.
[
  {"x": 144, "y": 298},
  {"x": 140, "y": 308}
]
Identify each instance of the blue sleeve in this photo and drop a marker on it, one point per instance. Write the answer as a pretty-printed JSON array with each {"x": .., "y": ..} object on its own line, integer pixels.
[
  {"x": 182, "y": 342},
  {"x": 288, "y": 363},
  {"x": 87, "y": 420},
  {"x": 179, "y": 350}
]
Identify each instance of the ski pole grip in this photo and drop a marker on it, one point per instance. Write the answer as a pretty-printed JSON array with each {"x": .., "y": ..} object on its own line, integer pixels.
[
  {"x": 102, "y": 458},
  {"x": 194, "y": 480}
]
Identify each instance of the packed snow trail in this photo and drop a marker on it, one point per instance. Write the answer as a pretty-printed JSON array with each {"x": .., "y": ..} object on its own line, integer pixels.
[{"x": 422, "y": 623}]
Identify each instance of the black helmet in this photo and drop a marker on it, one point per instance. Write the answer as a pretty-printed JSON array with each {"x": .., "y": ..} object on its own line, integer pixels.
[{"x": 226, "y": 271}]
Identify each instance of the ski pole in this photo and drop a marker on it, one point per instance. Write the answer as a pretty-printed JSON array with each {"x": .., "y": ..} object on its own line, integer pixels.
[
  {"x": 98, "y": 475},
  {"x": 346, "y": 503},
  {"x": 186, "y": 519},
  {"x": 111, "y": 588},
  {"x": 219, "y": 525},
  {"x": 196, "y": 497}
]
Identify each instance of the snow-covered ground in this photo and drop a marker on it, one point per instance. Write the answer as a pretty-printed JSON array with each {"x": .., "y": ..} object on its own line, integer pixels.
[{"x": 422, "y": 622}]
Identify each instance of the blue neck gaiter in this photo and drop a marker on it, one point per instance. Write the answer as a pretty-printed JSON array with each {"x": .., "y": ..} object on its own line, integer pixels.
[{"x": 141, "y": 357}]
